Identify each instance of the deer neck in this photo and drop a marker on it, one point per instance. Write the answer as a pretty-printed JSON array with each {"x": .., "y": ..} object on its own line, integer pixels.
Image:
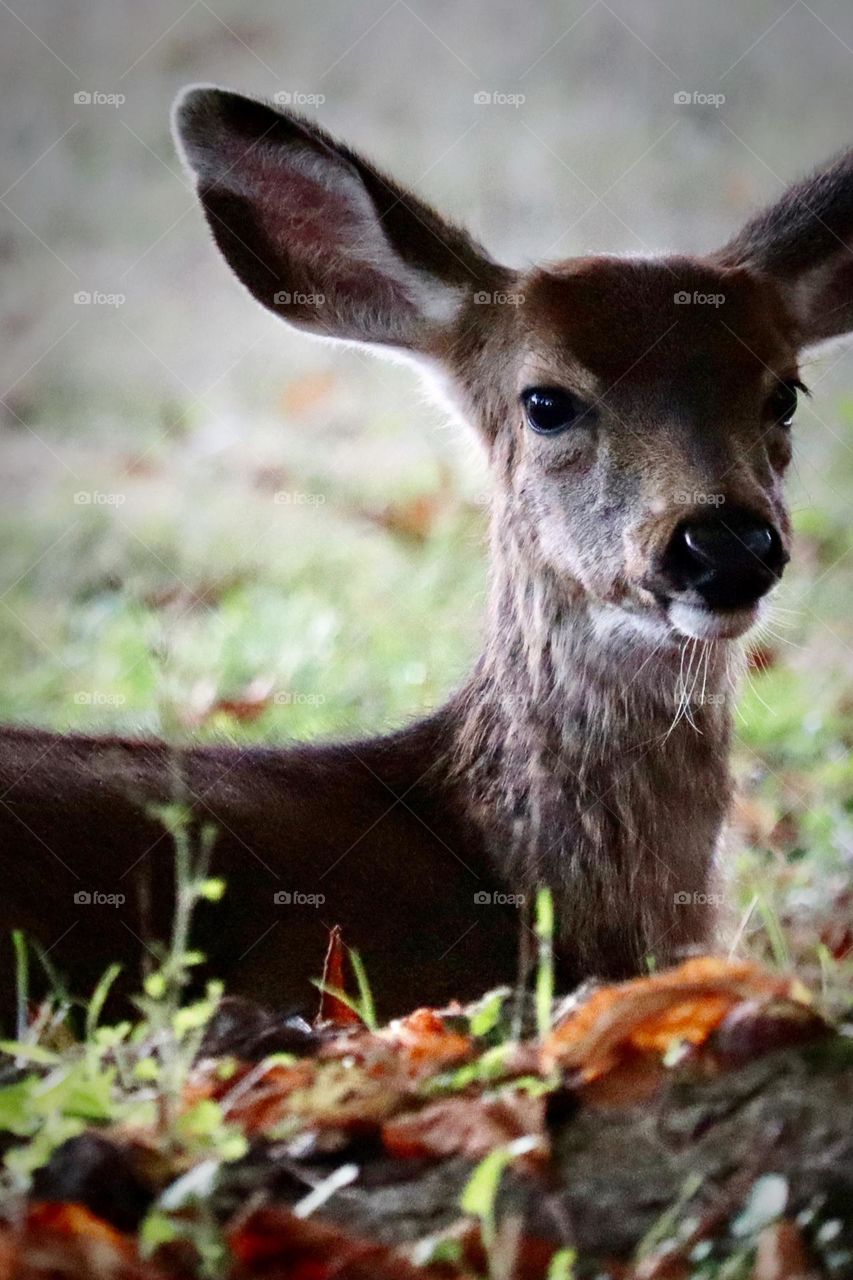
[{"x": 595, "y": 758}]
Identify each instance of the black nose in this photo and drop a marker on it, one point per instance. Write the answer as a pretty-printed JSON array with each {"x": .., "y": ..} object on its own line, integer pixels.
[{"x": 731, "y": 558}]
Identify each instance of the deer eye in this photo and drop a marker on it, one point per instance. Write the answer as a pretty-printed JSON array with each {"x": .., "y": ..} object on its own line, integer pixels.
[
  {"x": 782, "y": 404},
  {"x": 551, "y": 410}
]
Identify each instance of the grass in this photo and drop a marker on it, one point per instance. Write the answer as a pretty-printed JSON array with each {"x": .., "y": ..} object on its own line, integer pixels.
[{"x": 255, "y": 570}]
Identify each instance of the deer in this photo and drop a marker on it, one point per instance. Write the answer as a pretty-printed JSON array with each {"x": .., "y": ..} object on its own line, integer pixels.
[{"x": 635, "y": 414}]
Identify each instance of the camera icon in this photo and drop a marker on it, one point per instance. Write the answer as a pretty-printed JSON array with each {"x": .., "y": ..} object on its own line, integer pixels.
[
  {"x": 83, "y": 98},
  {"x": 282, "y": 898},
  {"x": 482, "y": 99},
  {"x": 83, "y": 898},
  {"x": 681, "y": 298},
  {"x": 283, "y": 98},
  {"x": 482, "y": 897},
  {"x": 682, "y": 899},
  {"x": 681, "y": 98},
  {"x": 482, "y": 298},
  {"x": 82, "y": 298},
  {"x": 282, "y": 298}
]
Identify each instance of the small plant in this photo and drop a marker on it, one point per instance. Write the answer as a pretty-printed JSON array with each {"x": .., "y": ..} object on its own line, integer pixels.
[
  {"x": 130, "y": 1073},
  {"x": 544, "y": 929},
  {"x": 479, "y": 1198}
]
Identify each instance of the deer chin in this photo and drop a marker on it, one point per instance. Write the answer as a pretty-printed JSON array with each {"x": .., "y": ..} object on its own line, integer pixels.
[{"x": 700, "y": 623}]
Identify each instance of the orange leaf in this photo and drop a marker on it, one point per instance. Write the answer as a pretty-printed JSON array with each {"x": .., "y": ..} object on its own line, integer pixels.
[
  {"x": 255, "y": 1096},
  {"x": 782, "y": 1255},
  {"x": 334, "y": 969},
  {"x": 275, "y": 1242},
  {"x": 63, "y": 1239},
  {"x": 309, "y": 392},
  {"x": 470, "y": 1127},
  {"x": 651, "y": 1014},
  {"x": 424, "y": 1040},
  {"x": 75, "y": 1220}
]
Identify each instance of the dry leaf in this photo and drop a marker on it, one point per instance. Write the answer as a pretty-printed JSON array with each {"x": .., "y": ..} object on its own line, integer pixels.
[
  {"x": 307, "y": 393},
  {"x": 653, "y": 1014},
  {"x": 276, "y": 1244},
  {"x": 781, "y": 1254},
  {"x": 334, "y": 975},
  {"x": 424, "y": 1041},
  {"x": 470, "y": 1127},
  {"x": 67, "y": 1242}
]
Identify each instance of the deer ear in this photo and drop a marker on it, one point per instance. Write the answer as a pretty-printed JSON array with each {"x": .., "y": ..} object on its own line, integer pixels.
[
  {"x": 805, "y": 242},
  {"x": 316, "y": 233}
]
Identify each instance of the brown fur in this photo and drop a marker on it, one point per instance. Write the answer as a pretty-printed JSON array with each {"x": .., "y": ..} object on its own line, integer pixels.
[{"x": 588, "y": 750}]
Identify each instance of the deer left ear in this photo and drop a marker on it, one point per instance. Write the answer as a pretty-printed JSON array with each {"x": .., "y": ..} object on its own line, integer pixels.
[
  {"x": 317, "y": 234},
  {"x": 805, "y": 242}
]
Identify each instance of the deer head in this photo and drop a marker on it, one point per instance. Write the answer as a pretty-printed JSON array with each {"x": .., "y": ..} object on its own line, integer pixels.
[{"x": 637, "y": 412}]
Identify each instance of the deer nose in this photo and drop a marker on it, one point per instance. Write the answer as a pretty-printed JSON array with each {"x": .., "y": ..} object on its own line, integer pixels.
[{"x": 730, "y": 560}]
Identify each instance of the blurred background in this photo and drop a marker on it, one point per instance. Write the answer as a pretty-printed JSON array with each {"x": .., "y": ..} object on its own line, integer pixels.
[{"x": 213, "y": 525}]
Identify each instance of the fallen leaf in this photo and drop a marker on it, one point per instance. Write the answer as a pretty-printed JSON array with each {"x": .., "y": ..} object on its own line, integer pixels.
[
  {"x": 424, "y": 1040},
  {"x": 756, "y": 1027},
  {"x": 470, "y": 1127},
  {"x": 248, "y": 705},
  {"x": 414, "y": 519},
  {"x": 275, "y": 1243},
  {"x": 683, "y": 1004},
  {"x": 307, "y": 393},
  {"x": 255, "y": 1096},
  {"x": 761, "y": 658},
  {"x": 781, "y": 1254},
  {"x": 334, "y": 976},
  {"x": 57, "y": 1241}
]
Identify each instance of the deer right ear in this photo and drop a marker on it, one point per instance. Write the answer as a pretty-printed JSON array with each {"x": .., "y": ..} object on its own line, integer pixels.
[
  {"x": 317, "y": 234},
  {"x": 805, "y": 242}
]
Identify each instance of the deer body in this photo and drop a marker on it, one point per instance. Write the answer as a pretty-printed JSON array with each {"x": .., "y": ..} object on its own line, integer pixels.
[
  {"x": 544, "y": 773},
  {"x": 637, "y": 437},
  {"x": 364, "y": 835}
]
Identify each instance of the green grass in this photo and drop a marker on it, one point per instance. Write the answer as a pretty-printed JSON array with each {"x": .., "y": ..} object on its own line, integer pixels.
[{"x": 199, "y": 585}]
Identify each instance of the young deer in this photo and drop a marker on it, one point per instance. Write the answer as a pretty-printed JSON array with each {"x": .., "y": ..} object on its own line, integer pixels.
[{"x": 636, "y": 416}]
